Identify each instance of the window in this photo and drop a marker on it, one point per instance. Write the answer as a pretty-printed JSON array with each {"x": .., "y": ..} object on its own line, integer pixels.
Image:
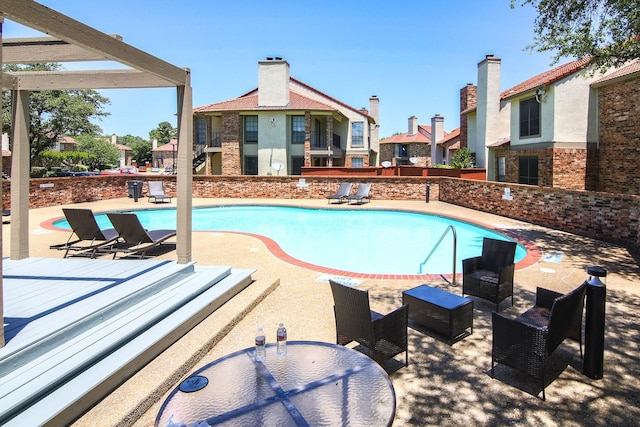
[
  {"x": 502, "y": 176},
  {"x": 251, "y": 129},
  {"x": 251, "y": 165},
  {"x": 528, "y": 170},
  {"x": 356, "y": 134},
  {"x": 529, "y": 118},
  {"x": 357, "y": 162},
  {"x": 402, "y": 150},
  {"x": 201, "y": 130},
  {"x": 297, "y": 130}
]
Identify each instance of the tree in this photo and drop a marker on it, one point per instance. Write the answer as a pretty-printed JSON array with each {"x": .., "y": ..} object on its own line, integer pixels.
[
  {"x": 54, "y": 113},
  {"x": 163, "y": 133},
  {"x": 102, "y": 154},
  {"x": 462, "y": 158},
  {"x": 140, "y": 148},
  {"x": 606, "y": 30}
]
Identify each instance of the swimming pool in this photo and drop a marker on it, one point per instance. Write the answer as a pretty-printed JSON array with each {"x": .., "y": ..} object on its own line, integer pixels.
[{"x": 367, "y": 241}]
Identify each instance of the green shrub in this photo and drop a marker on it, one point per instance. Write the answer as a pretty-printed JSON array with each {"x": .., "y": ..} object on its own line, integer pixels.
[
  {"x": 38, "y": 172},
  {"x": 462, "y": 158}
]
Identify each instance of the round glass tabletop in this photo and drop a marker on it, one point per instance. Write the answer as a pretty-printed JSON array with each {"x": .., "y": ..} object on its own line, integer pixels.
[{"x": 316, "y": 383}]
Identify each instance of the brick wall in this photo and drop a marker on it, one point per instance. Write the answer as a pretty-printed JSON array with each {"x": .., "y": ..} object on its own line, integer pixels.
[
  {"x": 604, "y": 216},
  {"x": 619, "y": 127}
]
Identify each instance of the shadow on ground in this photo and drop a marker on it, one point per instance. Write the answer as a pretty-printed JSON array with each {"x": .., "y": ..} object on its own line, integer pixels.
[{"x": 452, "y": 385}]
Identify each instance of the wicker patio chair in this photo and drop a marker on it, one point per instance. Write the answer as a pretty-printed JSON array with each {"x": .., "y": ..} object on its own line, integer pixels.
[
  {"x": 490, "y": 276},
  {"x": 525, "y": 342},
  {"x": 385, "y": 336}
]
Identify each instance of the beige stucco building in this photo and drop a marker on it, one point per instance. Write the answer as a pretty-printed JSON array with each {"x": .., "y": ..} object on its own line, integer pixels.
[{"x": 282, "y": 126}]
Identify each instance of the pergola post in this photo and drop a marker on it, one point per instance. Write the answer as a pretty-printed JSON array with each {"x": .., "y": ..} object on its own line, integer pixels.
[
  {"x": 184, "y": 177},
  {"x": 20, "y": 167}
]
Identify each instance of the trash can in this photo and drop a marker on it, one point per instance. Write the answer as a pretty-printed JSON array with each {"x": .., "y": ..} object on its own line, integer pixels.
[
  {"x": 135, "y": 189},
  {"x": 594, "y": 323}
]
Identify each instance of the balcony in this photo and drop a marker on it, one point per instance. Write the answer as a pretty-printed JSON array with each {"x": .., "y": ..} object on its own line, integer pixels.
[{"x": 319, "y": 140}]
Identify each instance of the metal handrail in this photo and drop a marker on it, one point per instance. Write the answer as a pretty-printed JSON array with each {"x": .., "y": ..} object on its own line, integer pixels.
[{"x": 455, "y": 245}]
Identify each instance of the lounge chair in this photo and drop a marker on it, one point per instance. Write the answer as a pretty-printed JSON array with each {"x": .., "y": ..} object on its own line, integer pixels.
[
  {"x": 134, "y": 240},
  {"x": 526, "y": 342},
  {"x": 361, "y": 194},
  {"x": 342, "y": 194},
  {"x": 156, "y": 192},
  {"x": 385, "y": 336},
  {"x": 90, "y": 239}
]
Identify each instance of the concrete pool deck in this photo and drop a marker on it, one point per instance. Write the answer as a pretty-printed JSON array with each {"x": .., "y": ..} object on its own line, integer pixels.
[{"x": 443, "y": 385}]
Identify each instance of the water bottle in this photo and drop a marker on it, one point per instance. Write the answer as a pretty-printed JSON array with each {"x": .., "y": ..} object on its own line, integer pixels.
[
  {"x": 261, "y": 341},
  {"x": 281, "y": 335}
]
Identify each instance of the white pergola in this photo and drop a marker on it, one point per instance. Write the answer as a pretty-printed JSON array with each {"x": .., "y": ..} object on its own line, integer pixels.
[{"x": 71, "y": 41}]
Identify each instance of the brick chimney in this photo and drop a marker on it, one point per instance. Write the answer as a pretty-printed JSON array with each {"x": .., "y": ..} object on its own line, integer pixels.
[
  {"x": 273, "y": 82},
  {"x": 413, "y": 125},
  {"x": 468, "y": 100}
]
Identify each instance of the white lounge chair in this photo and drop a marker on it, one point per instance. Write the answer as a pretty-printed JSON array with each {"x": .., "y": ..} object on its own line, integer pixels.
[{"x": 156, "y": 192}]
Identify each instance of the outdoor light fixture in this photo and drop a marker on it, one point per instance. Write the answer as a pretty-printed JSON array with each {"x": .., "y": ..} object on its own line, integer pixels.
[{"x": 540, "y": 93}]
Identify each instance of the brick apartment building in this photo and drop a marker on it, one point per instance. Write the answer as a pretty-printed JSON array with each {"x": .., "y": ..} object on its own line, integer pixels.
[
  {"x": 569, "y": 127},
  {"x": 282, "y": 126}
]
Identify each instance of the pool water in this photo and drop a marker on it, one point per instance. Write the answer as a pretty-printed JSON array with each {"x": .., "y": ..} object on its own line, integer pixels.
[{"x": 354, "y": 240}]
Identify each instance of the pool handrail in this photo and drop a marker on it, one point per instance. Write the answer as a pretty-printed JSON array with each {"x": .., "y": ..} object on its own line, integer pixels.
[{"x": 455, "y": 244}]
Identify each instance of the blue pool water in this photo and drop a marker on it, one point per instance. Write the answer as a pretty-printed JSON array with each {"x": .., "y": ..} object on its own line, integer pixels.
[{"x": 355, "y": 240}]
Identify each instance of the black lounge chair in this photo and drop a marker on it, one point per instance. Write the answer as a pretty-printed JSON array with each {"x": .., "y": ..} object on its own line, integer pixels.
[
  {"x": 361, "y": 194},
  {"x": 90, "y": 239},
  {"x": 156, "y": 192},
  {"x": 490, "y": 276},
  {"x": 134, "y": 240},
  {"x": 525, "y": 342},
  {"x": 385, "y": 336},
  {"x": 342, "y": 194}
]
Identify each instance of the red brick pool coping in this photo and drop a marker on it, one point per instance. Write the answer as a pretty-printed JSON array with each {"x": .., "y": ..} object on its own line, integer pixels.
[{"x": 533, "y": 252}]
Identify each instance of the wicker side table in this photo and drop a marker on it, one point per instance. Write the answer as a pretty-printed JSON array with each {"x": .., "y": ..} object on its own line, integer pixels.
[{"x": 440, "y": 311}]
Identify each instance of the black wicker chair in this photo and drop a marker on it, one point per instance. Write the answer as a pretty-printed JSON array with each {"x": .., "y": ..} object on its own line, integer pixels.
[
  {"x": 524, "y": 343},
  {"x": 490, "y": 276},
  {"x": 385, "y": 336}
]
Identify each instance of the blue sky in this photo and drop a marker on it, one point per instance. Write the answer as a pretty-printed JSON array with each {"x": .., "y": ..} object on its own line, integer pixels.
[{"x": 414, "y": 55}]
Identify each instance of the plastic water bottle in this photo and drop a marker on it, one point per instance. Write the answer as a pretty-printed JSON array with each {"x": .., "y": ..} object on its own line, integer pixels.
[
  {"x": 261, "y": 341},
  {"x": 281, "y": 335}
]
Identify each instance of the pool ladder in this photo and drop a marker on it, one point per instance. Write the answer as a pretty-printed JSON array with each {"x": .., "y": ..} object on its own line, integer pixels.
[{"x": 455, "y": 245}]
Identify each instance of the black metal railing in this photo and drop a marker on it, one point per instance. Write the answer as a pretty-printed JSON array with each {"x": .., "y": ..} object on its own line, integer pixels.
[
  {"x": 319, "y": 140},
  {"x": 216, "y": 139}
]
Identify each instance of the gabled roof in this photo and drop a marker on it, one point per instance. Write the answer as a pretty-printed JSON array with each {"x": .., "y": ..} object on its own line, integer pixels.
[
  {"x": 451, "y": 138},
  {"x": 546, "y": 78},
  {"x": 297, "y": 101},
  {"x": 405, "y": 138},
  {"x": 170, "y": 146},
  {"x": 625, "y": 72},
  {"x": 249, "y": 102}
]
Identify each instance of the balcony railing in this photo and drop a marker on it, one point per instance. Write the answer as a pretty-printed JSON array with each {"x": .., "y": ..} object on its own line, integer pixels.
[
  {"x": 319, "y": 140},
  {"x": 216, "y": 139}
]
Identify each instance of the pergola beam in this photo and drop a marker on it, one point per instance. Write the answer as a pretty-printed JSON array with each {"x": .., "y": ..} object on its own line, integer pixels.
[
  {"x": 94, "y": 79},
  {"x": 46, "y": 49},
  {"x": 49, "y": 21}
]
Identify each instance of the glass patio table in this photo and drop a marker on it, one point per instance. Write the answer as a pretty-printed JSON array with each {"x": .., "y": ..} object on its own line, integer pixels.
[{"x": 316, "y": 383}]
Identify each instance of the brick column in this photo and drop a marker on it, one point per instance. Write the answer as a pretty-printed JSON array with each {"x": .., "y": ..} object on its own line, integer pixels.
[
  {"x": 231, "y": 144},
  {"x": 468, "y": 100},
  {"x": 307, "y": 138}
]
